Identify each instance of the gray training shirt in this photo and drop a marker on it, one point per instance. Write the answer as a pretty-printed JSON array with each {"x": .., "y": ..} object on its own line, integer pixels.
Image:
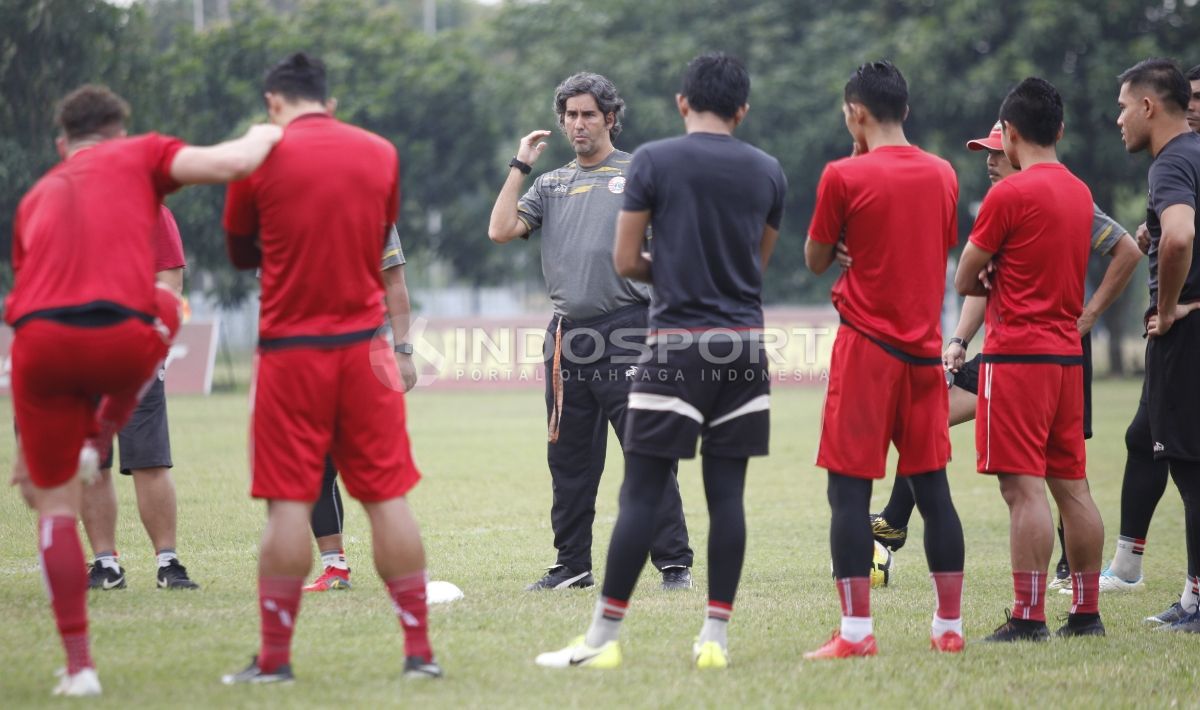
[{"x": 576, "y": 209}]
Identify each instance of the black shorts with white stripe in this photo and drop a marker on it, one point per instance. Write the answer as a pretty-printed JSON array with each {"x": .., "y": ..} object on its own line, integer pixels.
[{"x": 717, "y": 389}]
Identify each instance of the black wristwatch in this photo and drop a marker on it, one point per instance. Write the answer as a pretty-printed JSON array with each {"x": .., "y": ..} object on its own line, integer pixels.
[
  {"x": 960, "y": 341},
  {"x": 525, "y": 168},
  {"x": 403, "y": 348}
]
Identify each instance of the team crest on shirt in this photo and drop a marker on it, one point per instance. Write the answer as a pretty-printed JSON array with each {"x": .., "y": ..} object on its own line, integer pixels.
[{"x": 617, "y": 185}]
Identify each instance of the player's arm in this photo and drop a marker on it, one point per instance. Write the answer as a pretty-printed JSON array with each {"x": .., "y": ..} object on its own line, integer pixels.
[
  {"x": 766, "y": 248},
  {"x": 399, "y": 308},
  {"x": 228, "y": 161},
  {"x": 1125, "y": 255},
  {"x": 172, "y": 278},
  {"x": 628, "y": 259},
  {"x": 818, "y": 256},
  {"x": 1174, "y": 260},
  {"x": 505, "y": 224},
  {"x": 969, "y": 322},
  {"x": 971, "y": 266}
]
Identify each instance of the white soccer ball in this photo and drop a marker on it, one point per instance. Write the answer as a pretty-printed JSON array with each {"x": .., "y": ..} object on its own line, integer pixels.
[{"x": 437, "y": 592}]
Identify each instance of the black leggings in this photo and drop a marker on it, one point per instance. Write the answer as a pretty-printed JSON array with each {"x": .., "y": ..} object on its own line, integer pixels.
[
  {"x": 327, "y": 513},
  {"x": 646, "y": 480},
  {"x": 850, "y": 532},
  {"x": 1187, "y": 479}
]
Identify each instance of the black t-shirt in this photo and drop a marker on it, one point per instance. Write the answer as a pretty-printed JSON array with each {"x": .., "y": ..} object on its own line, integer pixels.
[
  {"x": 710, "y": 196},
  {"x": 1174, "y": 180}
]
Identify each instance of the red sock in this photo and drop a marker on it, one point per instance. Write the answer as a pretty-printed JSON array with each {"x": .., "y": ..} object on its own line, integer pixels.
[
  {"x": 1085, "y": 592},
  {"x": 278, "y": 605},
  {"x": 1029, "y": 596},
  {"x": 855, "y": 593},
  {"x": 408, "y": 595},
  {"x": 947, "y": 587},
  {"x": 65, "y": 571}
]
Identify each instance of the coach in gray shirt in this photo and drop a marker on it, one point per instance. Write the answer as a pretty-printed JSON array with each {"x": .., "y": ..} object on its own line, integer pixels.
[{"x": 576, "y": 207}]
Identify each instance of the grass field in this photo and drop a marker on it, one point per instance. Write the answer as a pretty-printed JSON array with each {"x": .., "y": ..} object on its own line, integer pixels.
[{"x": 484, "y": 509}]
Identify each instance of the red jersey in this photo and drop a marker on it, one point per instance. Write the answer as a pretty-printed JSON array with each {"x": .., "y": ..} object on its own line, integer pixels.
[
  {"x": 168, "y": 246},
  {"x": 320, "y": 206},
  {"x": 83, "y": 235},
  {"x": 896, "y": 209},
  {"x": 1038, "y": 223}
]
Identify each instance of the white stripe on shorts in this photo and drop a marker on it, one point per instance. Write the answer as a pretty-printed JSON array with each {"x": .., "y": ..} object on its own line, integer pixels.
[
  {"x": 760, "y": 403},
  {"x": 664, "y": 403}
]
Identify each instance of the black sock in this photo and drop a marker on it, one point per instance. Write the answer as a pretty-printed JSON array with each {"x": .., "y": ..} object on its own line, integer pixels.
[
  {"x": 899, "y": 507},
  {"x": 1062, "y": 545},
  {"x": 850, "y": 538},
  {"x": 724, "y": 484},
  {"x": 646, "y": 479},
  {"x": 943, "y": 530},
  {"x": 327, "y": 513}
]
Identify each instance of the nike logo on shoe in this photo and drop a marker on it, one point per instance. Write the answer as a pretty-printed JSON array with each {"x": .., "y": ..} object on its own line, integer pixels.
[
  {"x": 114, "y": 583},
  {"x": 566, "y": 583}
]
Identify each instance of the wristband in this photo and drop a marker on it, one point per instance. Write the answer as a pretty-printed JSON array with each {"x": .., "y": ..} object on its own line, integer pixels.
[
  {"x": 960, "y": 341},
  {"x": 403, "y": 348},
  {"x": 525, "y": 168}
]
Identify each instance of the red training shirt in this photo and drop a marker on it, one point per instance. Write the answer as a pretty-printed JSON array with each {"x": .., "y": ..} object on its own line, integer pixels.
[
  {"x": 895, "y": 207},
  {"x": 168, "y": 246},
  {"x": 83, "y": 235},
  {"x": 320, "y": 206},
  {"x": 1038, "y": 223}
]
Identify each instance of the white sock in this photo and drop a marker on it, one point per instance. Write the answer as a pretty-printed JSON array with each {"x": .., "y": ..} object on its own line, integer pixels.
[
  {"x": 1190, "y": 600},
  {"x": 856, "y": 628},
  {"x": 715, "y": 630},
  {"x": 606, "y": 622},
  {"x": 335, "y": 559},
  {"x": 165, "y": 556},
  {"x": 941, "y": 626},
  {"x": 1127, "y": 563},
  {"x": 109, "y": 560}
]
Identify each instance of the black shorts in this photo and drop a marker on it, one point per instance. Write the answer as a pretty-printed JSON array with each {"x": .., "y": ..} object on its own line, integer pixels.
[
  {"x": 145, "y": 441},
  {"x": 1172, "y": 391},
  {"x": 967, "y": 378},
  {"x": 718, "y": 389}
]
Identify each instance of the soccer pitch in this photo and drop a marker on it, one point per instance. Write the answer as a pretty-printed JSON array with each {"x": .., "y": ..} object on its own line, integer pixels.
[{"x": 484, "y": 509}]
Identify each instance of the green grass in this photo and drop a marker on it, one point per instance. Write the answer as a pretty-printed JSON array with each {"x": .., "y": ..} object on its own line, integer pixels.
[{"x": 484, "y": 506}]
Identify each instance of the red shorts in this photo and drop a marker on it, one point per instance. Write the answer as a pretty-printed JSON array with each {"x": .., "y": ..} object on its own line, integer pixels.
[
  {"x": 875, "y": 398},
  {"x": 1029, "y": 420},
  {"x": 308, "y": 402},
  {"x": 59, "y": 373}
]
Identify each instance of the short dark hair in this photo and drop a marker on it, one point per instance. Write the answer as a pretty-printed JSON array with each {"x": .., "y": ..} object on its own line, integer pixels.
[
  {"x": 1035, "y": 108},
  {"x": 1193, "y": 74},
  {"x": 299, "y": 76},
  {"x": 881, "y": 88},
  {"x": 716, "y": 82},
  {"x": 91, "y": 110},
  {"x": 601, "y": 89},
  {"x": 1163, "y": 77}
]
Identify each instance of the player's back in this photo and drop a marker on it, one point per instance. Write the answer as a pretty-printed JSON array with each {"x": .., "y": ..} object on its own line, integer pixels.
[
  {"x": 1045, "y": 214},
  {"x": 898, "y": 208},
  {"x": 711, "y": 196},
  {"x": 325, "y": 199},
  {"x": 83, "y": 234}
]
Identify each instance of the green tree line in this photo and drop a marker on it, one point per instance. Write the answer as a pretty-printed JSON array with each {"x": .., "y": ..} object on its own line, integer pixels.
[{"x": 456, "y": 102}]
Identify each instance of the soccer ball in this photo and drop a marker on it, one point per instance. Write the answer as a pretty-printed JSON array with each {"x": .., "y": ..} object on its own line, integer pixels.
[{"x": 881, "y": 566}]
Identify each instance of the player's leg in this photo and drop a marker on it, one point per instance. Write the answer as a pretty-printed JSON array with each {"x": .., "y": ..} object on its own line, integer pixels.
[
  {"x": 1031, "y": 542},
  {"x": 890, "y": 525},
  {"x": 724, "y": 488},
  {"x": 371, "y": 449},
  {"x": 944, "y": 550},
  {"x": 99, "y": 515},
  {"x": 669, "y": 551},
  {"x": 1186, "y": 475},
  {"x": 1142, "y": 486},
  {"x": 576, "y": 462},
  {"x": 326, "y": 524}
]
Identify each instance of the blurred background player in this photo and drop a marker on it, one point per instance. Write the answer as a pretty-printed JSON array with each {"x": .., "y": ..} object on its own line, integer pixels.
[
  {"x": 318, "y": 212},
  {"x": 894, "y": 205},
  {"x": 714, "y": 231},
  {"x": 1165, "y": 432},
  {"x": 575, "y": 207},
  {"x": 327, "y": 515},
  {"x": 1029, "y": 420},
  {"x": 146, "y": 456},
  {"x": 91, "y": 327},
  {"x": 1109, "y": 239}
]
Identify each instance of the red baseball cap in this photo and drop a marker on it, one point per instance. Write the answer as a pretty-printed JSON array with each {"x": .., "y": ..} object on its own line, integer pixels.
[{"x": 992, "y": 142}]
